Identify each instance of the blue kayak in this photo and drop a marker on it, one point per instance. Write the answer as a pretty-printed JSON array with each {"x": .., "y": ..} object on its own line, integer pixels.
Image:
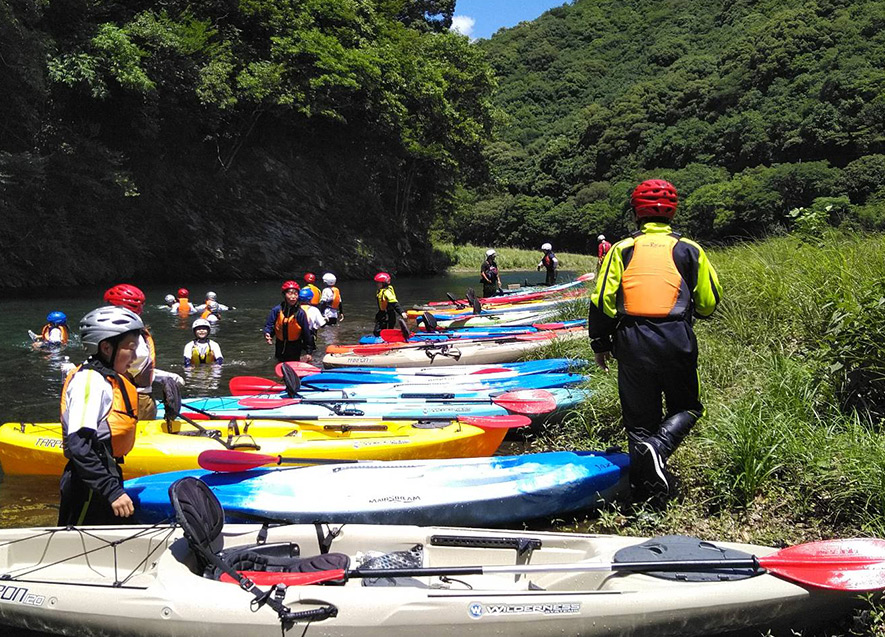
[
  {"x": 551, "y": 365},
  {"x": 457, "y": 386},
  {"x": 461, "y": 492},
  {"x": 413, "y": 408}
]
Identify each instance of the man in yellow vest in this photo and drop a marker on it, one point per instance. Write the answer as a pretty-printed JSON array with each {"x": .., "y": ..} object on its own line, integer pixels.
[
  {"x": 650, "y": 288},
  {"x": 99, "y": 413}
]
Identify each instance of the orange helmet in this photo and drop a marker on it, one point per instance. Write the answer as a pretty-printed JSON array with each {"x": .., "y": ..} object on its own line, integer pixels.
[
  {"x": 654, "y": 198},
  {"x": 125, "y": 295}
]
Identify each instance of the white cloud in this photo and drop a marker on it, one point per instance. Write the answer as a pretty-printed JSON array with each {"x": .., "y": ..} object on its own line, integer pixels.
[{"x": 463, "y": 24}]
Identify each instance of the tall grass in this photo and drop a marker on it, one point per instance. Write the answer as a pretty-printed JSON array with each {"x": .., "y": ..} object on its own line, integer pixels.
[
  {"x": 470, "y": 257},
  {"x": 786, "y": 452}
]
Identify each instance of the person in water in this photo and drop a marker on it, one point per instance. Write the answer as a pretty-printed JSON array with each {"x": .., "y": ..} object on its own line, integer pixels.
[
  {"x": 651, "y": 287},
  {"x": 550, "y": 263},
  {"x": 169, "y": 301},
  {"x": 143, "y": 372},
  {"x": 211, "y": 311},
  {"x": 202, "y": 350},
  {"x": 330, "y": 301},
  {"x": 212, "y": 298},
  {"x": 183, "y": 307},
  {"x": 286, "y": 328},
  {"x": 99, "y": 413},
  {"x": 315, "y": 318},
  {"x": 55, "y": 333},
  {"x": 310, "y": 280},
  {"x": 489, "y": 276},
  {"x": 389, "y": 310}
]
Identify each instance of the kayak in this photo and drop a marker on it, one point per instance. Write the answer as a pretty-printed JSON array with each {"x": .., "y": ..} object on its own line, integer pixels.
[
  {"x": 36, "y": 448},
  {"x": 511, "y": 296},
  {"x": 148, "y": 581},
  {"x": 528, "y": 317},
  {"x": 501, "y": 309},
  {"x": 538, "y": 404},
  {"x": 492, "y": 380},
  {"x": 470, "y": 352},
  {"x": 462, "y": 492},
  {"x": 475, "y": 332}
]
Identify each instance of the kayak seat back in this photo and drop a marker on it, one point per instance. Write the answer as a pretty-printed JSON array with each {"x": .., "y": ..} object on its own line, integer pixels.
[{"x": 201, "y": 517}]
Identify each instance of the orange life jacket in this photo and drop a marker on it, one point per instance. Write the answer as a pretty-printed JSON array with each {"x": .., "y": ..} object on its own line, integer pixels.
[
  {"x": 336, "y": 298},
  {"x": 315, "y": 299},
  {"x": 65, "y": 333},
  {"x": 123, "y": 417},
  {"x": 287, "y": 328},
  {"x": 184, "y": 306},
  {"x": 206, "y": 313},
  {"x": 651, "y": 284}
]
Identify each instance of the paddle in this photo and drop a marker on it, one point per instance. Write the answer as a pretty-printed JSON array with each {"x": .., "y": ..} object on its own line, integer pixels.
[
  {"x": 251, "y": 385},
  {"x": 839, "y": 565},
  {"x": 233, "y": 460},
  {"x": 393, "y": 336},
  {"x": 302, "y": 369},
  {"x": 458, "y": 304}
]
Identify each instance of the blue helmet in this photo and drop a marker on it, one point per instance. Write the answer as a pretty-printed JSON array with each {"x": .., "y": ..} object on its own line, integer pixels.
[
  {"x": 305, "y": 295},
  {"x": 57, "y": 318}
]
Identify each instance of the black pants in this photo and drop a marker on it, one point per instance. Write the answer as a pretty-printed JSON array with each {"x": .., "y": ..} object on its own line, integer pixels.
[
  {"x": 384, "y": 320},
  {"x": 489, "y": 290},
  {"x": 642, "y": 391},
  {"x": 81, "y": 506},
  {"x": 287, "y": 350},
  {"x": 551, "y": 277}
]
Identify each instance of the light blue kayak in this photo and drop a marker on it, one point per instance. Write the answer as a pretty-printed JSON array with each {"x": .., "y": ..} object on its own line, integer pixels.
[
  {"x": 462, "y": 492},
  {"x": 472, "y": 332},
  {"x": 518, "y": 402},
  {"x": 549, "y": 365}
]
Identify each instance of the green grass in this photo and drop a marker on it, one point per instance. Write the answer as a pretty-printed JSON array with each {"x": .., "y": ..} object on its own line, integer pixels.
[{"x": 470, "y": 257}]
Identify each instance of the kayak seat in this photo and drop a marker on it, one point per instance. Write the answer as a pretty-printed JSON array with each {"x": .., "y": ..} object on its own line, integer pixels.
[{"x": 201, "y": 517}]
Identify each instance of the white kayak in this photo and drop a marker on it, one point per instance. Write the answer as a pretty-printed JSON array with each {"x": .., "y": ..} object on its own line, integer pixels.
[{"x": 148, "y": 581}]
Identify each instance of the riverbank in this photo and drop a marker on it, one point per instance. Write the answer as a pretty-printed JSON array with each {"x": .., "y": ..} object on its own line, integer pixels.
[{"x": 468, "y": 258}]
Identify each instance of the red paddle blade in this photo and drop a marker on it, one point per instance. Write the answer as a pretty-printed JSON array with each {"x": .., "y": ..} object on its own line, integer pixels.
[
  {"x": 586, "y": 277},
  {"x": 251, "y": 385},
  {"x": 492, "y": 370},
  {"x": 856, "y": 564},
  {"x": 496, "y": 422},
  {"x": 302, "y": 369},
  {"x": 263, "y": 578},
  {"x": 232, "y": 460},
  {"x": 527, "y": 401},
  {"x": 257, "y": 402},
  {"x": 392, "y": 336},
  {"x": 548, "y": 326}
]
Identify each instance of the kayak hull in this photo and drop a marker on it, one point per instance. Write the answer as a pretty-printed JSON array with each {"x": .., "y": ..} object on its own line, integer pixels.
[
  {"x": 148, "y": 586},
  {"x": 463, "y": 492},
  {"x": 36, "y": 449}
]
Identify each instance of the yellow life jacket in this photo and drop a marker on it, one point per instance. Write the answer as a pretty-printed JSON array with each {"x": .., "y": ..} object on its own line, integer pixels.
[
  {"x": 208, "y": 357},
  {"x": 385, "y": 297},
  {"x": 123, "y": 417},
  {"x": 184, "y": 306},
  {"x": 315, "y": 299},
  {"x": 287, "y": 328},
  {"x": 651, "y": 283},
  {"x": 65, "y": 333}
]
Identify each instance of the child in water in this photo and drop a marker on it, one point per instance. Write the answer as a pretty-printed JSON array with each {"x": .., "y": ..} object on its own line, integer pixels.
[{"x": 202, "y": 350}]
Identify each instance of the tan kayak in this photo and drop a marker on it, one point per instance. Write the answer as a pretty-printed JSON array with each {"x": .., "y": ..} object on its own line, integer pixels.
[{"x": 147, "y": 581}]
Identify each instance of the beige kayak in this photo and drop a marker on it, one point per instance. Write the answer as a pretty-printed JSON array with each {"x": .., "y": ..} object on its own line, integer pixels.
[{"x": 146, "y": 581}]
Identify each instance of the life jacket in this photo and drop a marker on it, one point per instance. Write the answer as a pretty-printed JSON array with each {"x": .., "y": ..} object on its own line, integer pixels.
[
  {"x": 197, "y": 359},
  {"x": 287, "y": 328},
  {"x": 65, "y": 333},
  {"x": 206, "y": 313},
  {"x": 385, "y": 297},
  {"x": 651, "y": 283},
  {"x": 123, "y": 416},
  {"x": 315, "y": 299},
  {"x": 184, "y": 306},
  {"x": 547, "y": 260},
  {"x": 335, "y": 303}
]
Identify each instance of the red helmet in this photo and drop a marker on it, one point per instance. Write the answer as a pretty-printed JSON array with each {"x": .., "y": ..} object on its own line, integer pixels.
[
  {"x": 183, "y": 293},
  {"x": 125, "y": 295},
  {"x": 290, "y": 285},
  {"x": 382, "y": 277},
  {"x": 654, "y": 198},
  {"x": 310, "y": 277}
]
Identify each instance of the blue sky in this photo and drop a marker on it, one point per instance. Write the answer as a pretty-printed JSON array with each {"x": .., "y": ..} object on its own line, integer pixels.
[{"x": 481, "y": 18}]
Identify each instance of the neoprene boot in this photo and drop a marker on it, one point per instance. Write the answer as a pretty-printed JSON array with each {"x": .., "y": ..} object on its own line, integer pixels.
[
  {"x": 652, "y": 454},
  {"x": 673, "y": 431}
]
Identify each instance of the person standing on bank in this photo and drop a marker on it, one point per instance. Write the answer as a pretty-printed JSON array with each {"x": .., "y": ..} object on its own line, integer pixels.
[
  {"x": 550, "y": 263},
  {"x": 389, "y": 310},
  {"x": 602, "y": 250},
  {"x": 99, "y": 414},
  {"x": 287, "y": 330},
  {"x": 489, "y": 276},
  {"x": 651, "y": 286}
]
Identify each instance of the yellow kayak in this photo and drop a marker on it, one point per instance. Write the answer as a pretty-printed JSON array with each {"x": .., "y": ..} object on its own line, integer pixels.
[{"x": 36, "y": 448}]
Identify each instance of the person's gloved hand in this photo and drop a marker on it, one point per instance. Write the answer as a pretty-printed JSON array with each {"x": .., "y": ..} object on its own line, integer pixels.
[
  {"x": 178, "y": 379},
  {"x": 67, "y": 367}
]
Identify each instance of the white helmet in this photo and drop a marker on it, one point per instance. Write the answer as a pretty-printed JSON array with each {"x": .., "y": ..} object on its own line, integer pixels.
[
  {"x": 107, "y": 322},
  {"x": 211, "y": 296},
  {"x": 546, "y": 246},
  {"x": 201, "y": 323},
  {"x": 329, "y": 278},
  {"x": 169, "y": 299},
  {"x": 601, "y": 237},
  {"x": 490, "y": 253}
]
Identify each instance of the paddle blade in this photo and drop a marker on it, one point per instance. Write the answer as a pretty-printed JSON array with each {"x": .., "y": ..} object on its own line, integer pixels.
[
  {"x": 496, "y": 422},
  {"x": 527, "y": 401},
  {"x": 393, "y": 336},
  {"x": 251, "y": 385},
  {"x": 586, "y": 277},
  {"x": 302, "y": 369},
  {"x": 232, "y": 460},
  {"x": 492, "y": 370},
  {"x": 258, "y": 402},
  {"x": 263, "y": 578},
  {"x": 856, "y": 564}
]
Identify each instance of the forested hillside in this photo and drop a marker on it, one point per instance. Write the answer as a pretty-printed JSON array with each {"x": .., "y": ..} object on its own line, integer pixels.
[
  {"x": 765, "y": 115},
  {"x": 230, "y": 139}
]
